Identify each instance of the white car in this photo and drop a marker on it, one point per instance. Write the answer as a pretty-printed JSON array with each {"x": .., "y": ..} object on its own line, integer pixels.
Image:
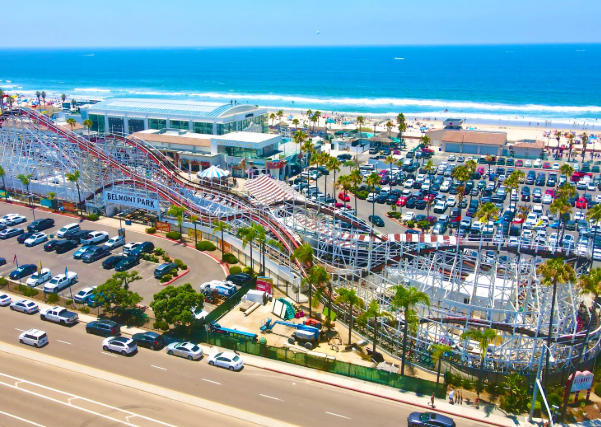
[
  {"x": 226, "y": 359},
  {"x": 60, "y": 282},
  {"x": 34, "y": 337},
  {"x": 36, "y": 239},
  {"x": 188, "y": 350},
  {"x": 591, "y": 187},
  {"x": 469, "y": 159},
  {"x": 451, "y": 201},
  {"x": 409, "y": 183},
  {"x": 597, "y": 254},
  {"x": 16, "y": 219},
  {"x": 598, "y": 198},
  {"x": 452, "y": 158},
  {"x": 95, "y": 237},
  {"x": 547, "y": 199},
  {"x": 130, "y": 247},
  {"x": 445, "y": 186},
  {"x": 555, "y": 166},
  {"x": 440, "y": 207},
  {"x": 8, "y": 216},
  {"x": 513, "y": 242},
  {"x": 371, "y": 197},
  {"x": 39, "y": 278},
  {"x": 4, "y": 300},
  {"x": 81, "y": 296},
  {"x": 579, "y": 216},
  {"x": 528, "y": 164},
  {"x": 582, "y": 249},
  {"x": 409, "y": 216},
  {"x": 114, "y": 242},
  {"x": 421, "y": 177},
  {"x": 122, "y": 345},
  {"x": 24, "y": 306}
]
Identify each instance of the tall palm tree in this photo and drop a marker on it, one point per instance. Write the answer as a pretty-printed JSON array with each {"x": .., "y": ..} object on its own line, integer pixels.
[
  {"x": 73, "y": 103},
  {"x": 391, "y": 161},
  {"x": 2, "y": 175},
  {"x": 566, "y": 170},
  {"x": 87, "y": 123},
  {"x": 344, "y": 184},
  {"x": 272, "y": 117},
  {"x": 561, "y": 207},
  {"x": 280, "y": 115},
  {"x": 355, "y": 179},
  {"x": 389, "y": 127},
  {"x": 594, "y": 217},
  {"x": 38, "y": 94},
  {"x": 333, "y": 165},
  {"x": 25, "y": 180},
  {"x": 248, "y": 235},
  {"x": 52, "y": 197},
  {"x": 63, "y": 97},
  {"x": 484, "y": 339},
  {"x": 317, "y": 277},
  {"x": 304, "y": 255},
  {"x": 317, "y": 116},
  {"x": 552, "y": 272},
  {"x": 402, "y": 124},
  {"x": 71, "y": 122},
  {"x": 75, "y": 177},
  {"x": 584, "y": 138},
  {"x": 350, "y": 297},
  {"x": 221, "y": 227},
  {"x": 193, "y": 219},
  {"x": 295, "y": 122},
  {"x": 471, "y": 165},
  {"x": 373, "y": 312},
  {"x": 178, "y": 213},
  {"x": 314, "y": 120},
  {"x": 571, "y": 137},
  {"x": 360, "y": 122},
  {"x": 489, "y": 159},
  {"x": 487, "y": 212},
  {"x": 405, "y": 299},
  {"x": 44, "y": 96},
  {"x": 309, "y": 114},
  {"x": 372, "y": 181},
  {"x": 558, "y": 138},
  {"x": 438, "y": 351},
  {"x": 1, "y": 101},
  {"x": 261, "y": 240}
]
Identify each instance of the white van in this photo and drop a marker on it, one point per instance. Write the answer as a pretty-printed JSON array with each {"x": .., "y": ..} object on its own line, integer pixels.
[
  {"x": 34, "y": 337},
  {"x": 68, "y": 229},
  {"x": 367, "y": 167}
]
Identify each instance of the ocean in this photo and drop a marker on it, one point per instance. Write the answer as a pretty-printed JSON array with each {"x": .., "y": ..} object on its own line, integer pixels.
[{"x": 557, "y": 83}]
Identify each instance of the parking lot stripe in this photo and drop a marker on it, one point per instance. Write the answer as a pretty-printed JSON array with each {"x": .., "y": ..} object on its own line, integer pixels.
[
  {"x": 108, "y": 354},
  {"x": 209, "y": 381},
  {"x": 64, "y": 342},
  {"x": 158, "y": 367}
]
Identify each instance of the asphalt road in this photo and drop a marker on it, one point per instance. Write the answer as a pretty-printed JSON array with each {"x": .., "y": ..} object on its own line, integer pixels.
[
  {"x": 202, "y": 267},
  {"x": 269, "y": 394}
]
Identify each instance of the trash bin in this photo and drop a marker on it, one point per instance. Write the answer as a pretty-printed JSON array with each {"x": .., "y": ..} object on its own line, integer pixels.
[
  {"x": 51, "y": 236},
  {"x": 127, "y": 222}
]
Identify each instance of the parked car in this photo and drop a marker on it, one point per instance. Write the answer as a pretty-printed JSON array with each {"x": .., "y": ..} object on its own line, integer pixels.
[
  {"x": 36, "y": 239},
  {"x": 50, "y": 246},
  {"x": 112, "y": 261},
  {"x": 144, "y": 247},
  {"x": 63, "y": 246},
  {"x": 226, "y": 359},
  {"x": 239, "y": 279},
  {"x": 94, "y": 254},
  {"x": 24, "y": 236},
  {"x": 68, "y": 230},
  {"x": 103, "y": 327},
  {"x": 122, "y": 345},
  {"x": 127, "y": 263},
  {"x": 81, "y": 296},
  {"x": 78, "y": 254},
  {"x": 23, "y": 271},
  {"x": 39, "y": 278},
  {"x": 114, "y": 242},
  {"x": 150, "y": 340},
  {"x": 15, "y": 220},
  {"x": 95, "y": 237},
  {"x": 60, "y": 282},
  {"x": 40, "y": 224},
  {"x": 7, "y": 233},
  {"x": 164, "y": 269}
]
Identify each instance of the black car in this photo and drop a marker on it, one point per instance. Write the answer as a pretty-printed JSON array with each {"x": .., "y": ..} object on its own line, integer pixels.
[
  {"x": 150, "y": 340},
  {"x": 80, "y": 235},
  {"x": 112, "y": 261},
  {"x": 11, "y": 232},
  {"x": 94, "y": 254},
  {"x": 540, "y": 180},
  {"x": 392, "y": 199},
  {"x": 23, "y": 271},
  {"x": 376, "y": 220},
  {"x": 571, "y": 225},
  {"x": 344, "y": 157},
  {"x": 463, "y": 203},
  {"x": 24, "y": 236},
  {"x": 127, "y": 263},
  {"x": 50, "y": 246},
  {"x": 106, "y": 328},
  {"x": 63, "y": 246},
  {"x": 420, "y": 204},
  {"x": 2, "y": 261},
  {"x": 144, "y": 247},
  {"x": 164, "y": 269},
  {"x": 239, "y": 279},
  {"x": 514, "y": 230},
  {"x": 40, "y": 224},
  {"x": 498, "y": 198},
  {"x": 411, "y": 203},
  {"x": 381, "y": 199},
  {"x": 525, "y": 194}
]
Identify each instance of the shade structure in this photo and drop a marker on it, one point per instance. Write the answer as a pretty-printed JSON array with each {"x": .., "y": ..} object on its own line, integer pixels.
[
  {"x": 213, "y": 172},
  {"x": 267, "y": 190}
]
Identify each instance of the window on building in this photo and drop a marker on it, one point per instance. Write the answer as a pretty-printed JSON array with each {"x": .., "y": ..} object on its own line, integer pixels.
[
  {"x": 115, "y": 124},
  {"x": 264, "y": 123},
  {"x": 135, "y": 125},
  {"x": 157, "y": 124},
  {"x": 240, "y": 152},
  {"x": 223, "y": 128},
  {"x": 179, "y": 124},
  {"x": 202, "y": 127},
  {"x": 97, "y": 123}
]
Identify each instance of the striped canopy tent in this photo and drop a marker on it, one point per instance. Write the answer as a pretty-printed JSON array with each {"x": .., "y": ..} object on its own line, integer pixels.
[
  {"x": 213, "y": 172},
  {"x": 267, "y": 190}
]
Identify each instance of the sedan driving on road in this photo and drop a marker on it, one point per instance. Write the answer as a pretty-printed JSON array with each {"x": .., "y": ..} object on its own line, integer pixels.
[
  {"x": 188, "y": 350},
  {"x": 376, "y": 220},
  {"x": 122, "y": 345},
  {"x": 25, "y": 306},
  {"x": 227, "y": 360}
]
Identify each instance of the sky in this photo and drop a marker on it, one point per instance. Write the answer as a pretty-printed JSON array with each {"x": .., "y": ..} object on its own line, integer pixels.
[{"x": 153, "y": 23}]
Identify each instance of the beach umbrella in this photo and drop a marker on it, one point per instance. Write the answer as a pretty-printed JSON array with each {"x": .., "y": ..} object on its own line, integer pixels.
[{"x": 213, "y": 172}]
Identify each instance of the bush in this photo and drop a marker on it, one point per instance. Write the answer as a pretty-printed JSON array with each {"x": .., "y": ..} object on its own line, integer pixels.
[
  {"x": 411, "y": 224},
  {"x": 349, "y": 163},
  {"x": 179, "y": 263},
  {"x": 53, "y": 298},
  {"x": 396, "y": 215},
  {"x": 164, "y": 325},
  {"x": 468, "y": 385},
  {"x": 235, "y": 270},
  {"x": 151, "y": 230},
  {"x": 362, "y": 194},
  {"x": 27, "y": 291},
  {"x": 149, "y": 257},
  {"x": 92, "y": 217},
  {"x": 84, "y": 309},
  {"x": 3, "y": 281},
  {"x": 249, "y": 270},
  {"x": 230, "y": 258},
  {"x": 159, "y": 251},
  {"x": 173, "y": 235},
  {"x": 69, "y": 302},
  {"x": 205, "y": 245},
  {"x": 166, "y": 278},
  {"x": 598, "y": 389}
]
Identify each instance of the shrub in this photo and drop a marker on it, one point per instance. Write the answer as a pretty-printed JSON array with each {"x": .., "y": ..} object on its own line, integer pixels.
[
  {"x": 249, "y": 270},
  {"x": 235, "y": 270},
  {"x": 411, "y": 224},
  {"x": 149, "y": 257},
  {"x": 3, "y": 281},
  {"x": 468, "y": 385},
  {"x": 349, "y": 163},
  {"x": 69, "y": 302},
  {"x": 52, "y": 298},
  {"x": 396, "y": 215},
  {"x": 164, "y": 325},
  {"x": 166, "y": 258},
  {"x": 84, "y": 309},
  {"x": 166, "y": 278},
  {"x": 598, "y": 389},
  {"x": 230, "y": 258},
  {"x": 179, "y": 263},
  {"x": 159, "y": 251},
  {"x": 27, "y": 291},
  {"x": 92, "y": 217},
  {"x": 151, "y": 230},
  {"x": 362, "y": 194},
  {"x": 205, "y": 245},
  {"x": 174, "y": 235}
]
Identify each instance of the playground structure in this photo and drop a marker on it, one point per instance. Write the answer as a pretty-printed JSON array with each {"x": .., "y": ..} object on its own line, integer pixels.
[{"x": 467, "y": 288}]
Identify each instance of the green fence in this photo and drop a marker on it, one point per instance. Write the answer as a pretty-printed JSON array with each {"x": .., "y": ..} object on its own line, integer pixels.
[
  {"x": 229, "y": 303},
  {"x": 410, "y": 384}
]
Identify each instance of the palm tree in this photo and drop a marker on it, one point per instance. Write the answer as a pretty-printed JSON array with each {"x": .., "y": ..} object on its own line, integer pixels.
[
  {"x": 405, "y": 299},
  {"x": 280, "y": 114},
  {"x": 561, "y": 207},
  {"x": 484, "y": 339},
  {"x": 487, "y": 212},
  {"x": 570, "y": 144},
  {"x": 3, "y": 174},
  {"x": 344, "y": 184},
  {"x": 74, "y": 177},
  {"x": 193, "y": 219},
  {"x": 303, "y": 254},
  {"x": 73, "y": 103},
  {"x": 489, "y": 160},
  {"x": 360, "y": 122},
  {"x": 350, "y": 297},
  {"x": 261, "y": 239},
  {"x": 38, "y": 94},
  {"x": 317, "y": 116},
  {"x": 178, "y": 213},
  {"x": 71, "y": 122},
  {"x": 567, "y": 191},
  {"x": 372, "y": 180},
  {"x": 25, "y": 180},
  {"x": 295, "y": 122},
  {"x": 389, "y": 126},
  {"x": 402, "y": 124},
  {"x": 63, "y": 97},
  {"x": 355, "y": 179},
  {"x": 594, "y": 216},
  {"x": 309, "y": 114},
  {"x": 333, "y": 165},
  {"x": 317, "y": 277},
  {"x": 51, "y": 196},
  {"x": 391, "y": 161},
  {"x": 87, "y": 123},
  {"x": 566, "y": 170},
  {"x": 438, "y": 351},
  {"x": 44, "y": 96},
  {"x": 558, "y": 138},
  {"x": 1, "y": 101},
  {"x": 272, "y": 117},
  {"x": 248, "y": 235},
  {"x": 373, "y": 312},
  {"x": 314, "y": 120},
  {"x": 221, "y": 226},
  {"x": 584, "y": 138},
  {"x": 471, "y": 165}
]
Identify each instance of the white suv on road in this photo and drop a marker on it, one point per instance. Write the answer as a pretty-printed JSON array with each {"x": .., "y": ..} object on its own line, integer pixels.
[{"x": 34, "y": 337}]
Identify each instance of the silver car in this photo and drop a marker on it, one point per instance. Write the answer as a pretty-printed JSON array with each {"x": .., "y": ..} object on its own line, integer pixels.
[{"x": 188, "y": 350}]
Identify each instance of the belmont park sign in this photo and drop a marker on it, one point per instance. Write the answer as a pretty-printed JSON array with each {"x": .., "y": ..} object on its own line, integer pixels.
[{"x": 131, "y": 200}]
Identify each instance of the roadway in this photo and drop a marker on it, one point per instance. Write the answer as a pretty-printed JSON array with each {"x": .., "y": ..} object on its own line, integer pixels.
[{"x": 256, "y": 391}]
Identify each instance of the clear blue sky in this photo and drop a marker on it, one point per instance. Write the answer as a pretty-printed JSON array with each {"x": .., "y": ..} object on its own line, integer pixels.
[{"x": 71, "y": 23}]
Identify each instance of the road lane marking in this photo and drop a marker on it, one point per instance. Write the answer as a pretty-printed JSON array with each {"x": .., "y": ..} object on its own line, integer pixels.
[
  {"x": 209, "y": 381},
  {"x": 271, "y": 397},
  {"x": 64, "y": 342},
  {"x": 22, "y": 419},
  {"x": 108, "y": 354},
  {"x": 336, "y": 415},
  {"x": 158, "y": 367},
  {"x": 19, "y": 329}
]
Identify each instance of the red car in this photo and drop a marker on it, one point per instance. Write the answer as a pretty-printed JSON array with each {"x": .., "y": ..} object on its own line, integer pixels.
[
  {"x": 480, "y": 171},
  {"x": 383, "y": 172},
  {"x": 519, "y": 163},
  {"x": 402, "y": 201},
  {"x": 429, "y": 197},
  {"x": 518, "y": 220},
  {"x": 546, "y": 165},
  {"x": 551, "y": 192},
  {"x": 344, "y": 197},
  {"x": 581, "y": 203}
]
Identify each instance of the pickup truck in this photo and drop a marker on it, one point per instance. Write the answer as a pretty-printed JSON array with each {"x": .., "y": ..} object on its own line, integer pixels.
[
  {"x": 60, "y": 282},
  {"x": 59, "y": 315},
  {"x": 39, "y": 278}
]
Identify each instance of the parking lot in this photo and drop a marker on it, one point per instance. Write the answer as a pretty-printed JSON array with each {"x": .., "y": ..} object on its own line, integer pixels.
[{"x": 201, "y": 267}]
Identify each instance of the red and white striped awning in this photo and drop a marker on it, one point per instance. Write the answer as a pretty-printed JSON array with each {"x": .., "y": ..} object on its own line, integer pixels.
[{"x": 268, "y": 190}]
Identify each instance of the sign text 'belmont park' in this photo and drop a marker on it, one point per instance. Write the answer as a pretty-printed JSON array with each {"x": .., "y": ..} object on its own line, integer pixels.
[{"x": 131, "y": 200}]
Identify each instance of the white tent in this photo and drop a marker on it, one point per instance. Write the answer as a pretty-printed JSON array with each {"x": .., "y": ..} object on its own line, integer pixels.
[{"x": 213, "y": 172}]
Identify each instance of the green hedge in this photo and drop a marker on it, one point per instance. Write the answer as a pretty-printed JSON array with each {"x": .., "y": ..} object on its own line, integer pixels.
[
  {"x": 362, "y": 194},
  {"x": 230, "y": 258},
  {"x": 411, "y": 224},
  {"x": 52, "y": 298},
  {"x": 598, "y": 389},
  {"x": 180, "y": 264},
  {"x": 151, "y": 230},
  {"x": 235, "y": 270},
  {"x": 92, "y": 217},
  {"x": 249, "y": 270},
  {"x": 174, "y": 235},
  {"x": 205, "y": 245},
  {"x": 27, "y": 291}
]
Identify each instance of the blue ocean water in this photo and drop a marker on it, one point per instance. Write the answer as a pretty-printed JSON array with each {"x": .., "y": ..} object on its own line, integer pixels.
[{"x": 538, "y": 82}]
